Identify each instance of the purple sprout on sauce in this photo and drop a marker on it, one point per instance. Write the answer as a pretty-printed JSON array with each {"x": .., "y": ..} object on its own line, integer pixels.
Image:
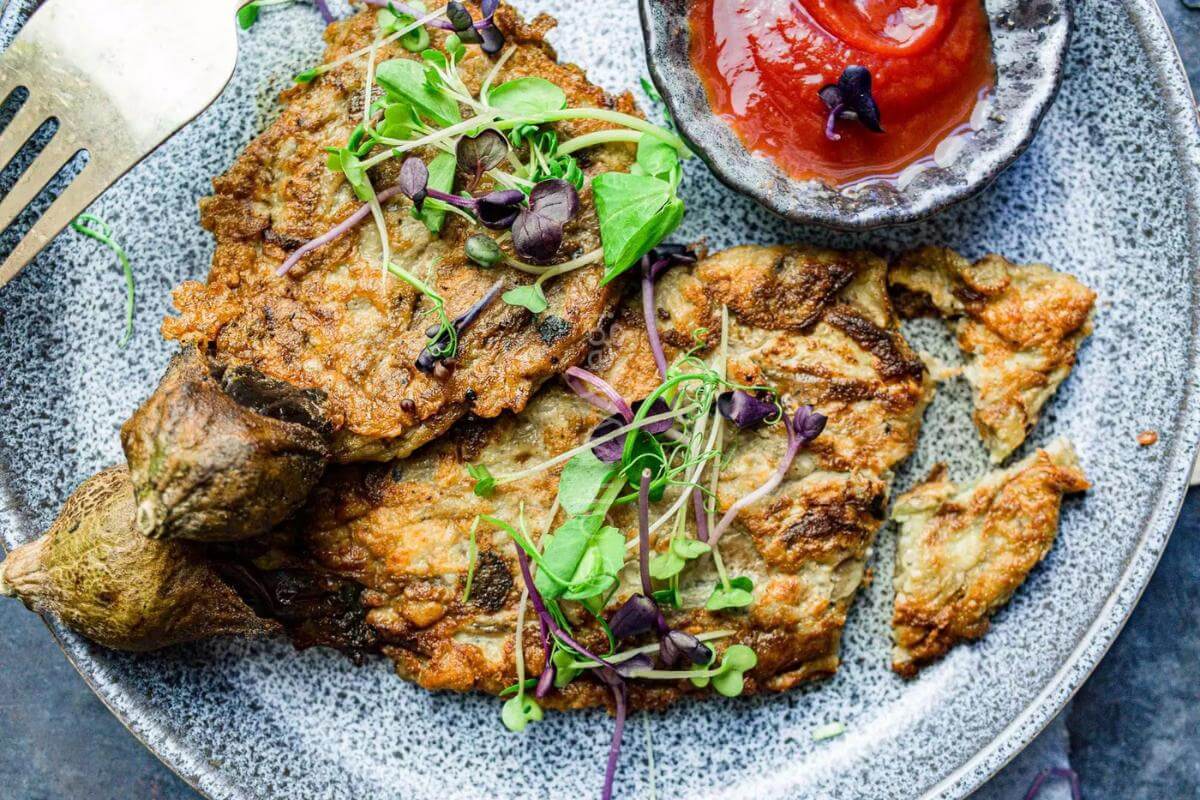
[{"x": 851, "y": 99}]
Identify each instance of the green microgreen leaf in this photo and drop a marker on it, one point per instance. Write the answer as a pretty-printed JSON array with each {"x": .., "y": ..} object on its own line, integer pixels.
[
  {"x": 668, "y": 597},
  {"x": 646, "y": 453},
  {"x": 531, "y": 297},
  {"x": 581, "y": 481},
  {"x": 527, "y": 684},
  {"x": 247, "y": 16},
  {"x": 455, "y": 47},
  {"x": 519, "y": 712},
  {"x": 404, "y": 79},
  {"x": 485, "y": 484},
  {"x": 738, "y": 660},
  {"x": 739, "y": 595},
  {"x": 400, "y": 121},
  {"x": 308, "y": 75},
  {"x": 391, "y": 20},
  {"x": 346, "y": 161},
  {"x": 563, "y": 551},
  {"x": 566, "y": 671},
  {"x": 527, "y": 96},
  {"x": 670, "y": 563},
  {"x": 658, "y": 159},
  {"x": 441, "y": 177},
  {"x": 636, "y": 212}
]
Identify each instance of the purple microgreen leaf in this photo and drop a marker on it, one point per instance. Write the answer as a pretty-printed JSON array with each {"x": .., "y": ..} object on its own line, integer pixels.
[
  {"x": 414, "y": 180},
  {"x": 657, "y": 408},
  {"x": 678, "y": 646},
  {"x": 850, "y": 98},
  {"x": 491, "y": 40},
  {"x": 488, "y": 7},
  {"x": 746, "y": 410},
  {"x": 498, "y": 210},
  {"x": 609, "y": 452},
  {"x": 555, "y": 199},
  {"x": 613, "y": 450},
  {"x": 538, "y": 230},
  {"x": 807, "y": 424},
  {"x": 477, "y": 154},
  {"x": 637, "y": 615},
  {"x": 632, "y": 666},
  {"x": 459, "y": 16}
]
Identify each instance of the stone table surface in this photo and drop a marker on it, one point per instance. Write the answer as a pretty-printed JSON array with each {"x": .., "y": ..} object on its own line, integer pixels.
[{"x": 1134, "y": 727}]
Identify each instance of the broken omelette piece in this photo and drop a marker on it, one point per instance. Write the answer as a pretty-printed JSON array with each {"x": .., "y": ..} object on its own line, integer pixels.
[
  {"x": 816, "y": 325},
  {"x": 334, "y": 323},
  {"x": 1020, "y": 326},
  {"x": 962, "y": 551}
]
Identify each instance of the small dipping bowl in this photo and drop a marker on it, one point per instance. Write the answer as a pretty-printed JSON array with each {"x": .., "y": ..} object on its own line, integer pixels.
[{"x": 1029, "y": 43}]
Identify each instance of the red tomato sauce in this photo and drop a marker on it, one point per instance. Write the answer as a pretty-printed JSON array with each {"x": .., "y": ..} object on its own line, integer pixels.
[{"x": 763, "y": 63}]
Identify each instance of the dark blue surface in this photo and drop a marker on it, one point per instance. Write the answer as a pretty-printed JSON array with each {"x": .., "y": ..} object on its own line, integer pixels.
[{"x": 1135, "y": 726}]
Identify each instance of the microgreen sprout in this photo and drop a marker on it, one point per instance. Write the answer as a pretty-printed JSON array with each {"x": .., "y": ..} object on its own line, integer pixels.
[
  {"x": 850, "y": 98},
  {"x": 443, "y": 341},
  {"x": 802, "y": 428},
  {"x": 95, "y": 228}
]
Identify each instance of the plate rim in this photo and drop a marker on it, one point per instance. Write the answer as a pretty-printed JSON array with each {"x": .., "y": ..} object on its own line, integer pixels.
[{"x": 146, "y": 722}]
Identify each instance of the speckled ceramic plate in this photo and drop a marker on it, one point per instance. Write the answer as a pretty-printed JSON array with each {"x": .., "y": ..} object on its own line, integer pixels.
[{"x": 1110, "y": 191}]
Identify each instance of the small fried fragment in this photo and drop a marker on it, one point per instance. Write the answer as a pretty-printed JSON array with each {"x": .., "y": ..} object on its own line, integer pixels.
[
  {"x": 222, "y": 454},
  {"x": 962, "y": 552},
  {"x": 106, "y": 581},
  {"x": 1020, "y": 326}
]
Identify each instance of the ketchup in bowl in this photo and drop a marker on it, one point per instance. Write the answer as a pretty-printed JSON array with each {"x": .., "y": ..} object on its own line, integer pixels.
[{"x": 764, "y": 64}]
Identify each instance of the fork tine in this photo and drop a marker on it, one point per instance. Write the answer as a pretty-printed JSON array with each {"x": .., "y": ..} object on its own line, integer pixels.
[
  {"x": 74, "y": 199},
  {"x": 40, "y": 172},
  {"x": 23, "y": 125}
]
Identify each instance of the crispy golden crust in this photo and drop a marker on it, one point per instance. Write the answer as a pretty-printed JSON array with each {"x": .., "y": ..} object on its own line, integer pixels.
[
  {"x": 1020, "y": 325},
  {"x": 333, "y": 323},
  {"x": 403, "y": 530},
  {"x": 962, "y": 552}
]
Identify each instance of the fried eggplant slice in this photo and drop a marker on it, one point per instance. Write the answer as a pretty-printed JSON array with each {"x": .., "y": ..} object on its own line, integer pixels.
[
  {"x": 963, "y": 551},
  {"x": 336, "y": 324},
  {"x": 105, "y": 580},
  {"x": 220, "y": 453},
  {"x": 816, "y": 325},
  {"x": 1019, "y": 325}
]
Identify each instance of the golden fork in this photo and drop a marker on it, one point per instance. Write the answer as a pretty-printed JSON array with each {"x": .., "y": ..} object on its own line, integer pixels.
[{"x": 119, "y": 76}]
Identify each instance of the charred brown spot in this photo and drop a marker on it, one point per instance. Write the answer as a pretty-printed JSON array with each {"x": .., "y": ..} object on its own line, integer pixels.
[
  {"x": 492, "y": 583},
  {"x": 896, "y": 361},
  {"x": 553, "y": 328},
  {"x": 471, "y": 435}
]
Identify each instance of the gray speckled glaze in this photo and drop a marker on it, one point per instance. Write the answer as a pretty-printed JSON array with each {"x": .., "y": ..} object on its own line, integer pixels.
[
  {"x": 1029, "y": 44},
  {"x": 1110, "y": 191}
]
